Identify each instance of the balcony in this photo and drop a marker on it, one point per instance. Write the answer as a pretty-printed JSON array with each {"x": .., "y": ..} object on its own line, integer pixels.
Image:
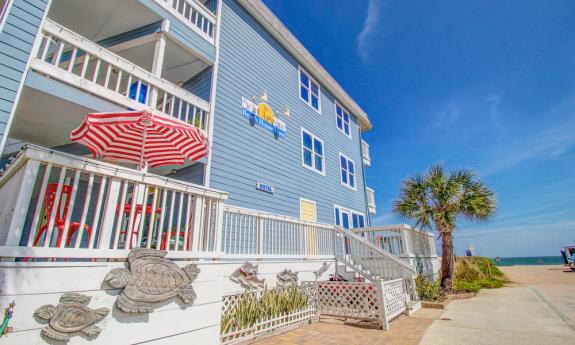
[
  {"x": 365, "y": 153},
  {"x": 371, "y": 200},
  {"x": 104, "y": 210},
  {"x": 72, "y": 59},
  {"x": 194, "y": 15}
]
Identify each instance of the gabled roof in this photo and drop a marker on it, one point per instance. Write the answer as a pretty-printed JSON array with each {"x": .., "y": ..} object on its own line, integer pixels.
[{"x": 278, "y": 30}]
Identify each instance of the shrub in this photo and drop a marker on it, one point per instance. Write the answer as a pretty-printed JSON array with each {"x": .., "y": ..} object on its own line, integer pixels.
[
  {"x": 462, "y": 286},
  {"x": 428, "y": 290},
  {"x": 475, "y": 273},
  {"x": 250, "y": 308}
]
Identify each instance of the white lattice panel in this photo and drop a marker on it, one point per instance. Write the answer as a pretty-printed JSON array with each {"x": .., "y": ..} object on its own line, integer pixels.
[
  {"x": 394, "y": 298},
  {"x": 353, "y": 300},
  {"x": 286, "y": 320}
]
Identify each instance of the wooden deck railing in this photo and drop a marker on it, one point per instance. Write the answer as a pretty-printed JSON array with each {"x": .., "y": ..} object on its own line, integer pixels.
[
  {"x": 54, "y": 204},
  {"x": 68, "y": 57},
  {"x": 251, "y": 232},
  {"x": 194, "y": 15}
]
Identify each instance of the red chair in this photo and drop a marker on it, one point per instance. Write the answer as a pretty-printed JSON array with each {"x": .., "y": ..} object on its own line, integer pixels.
[
  {"x": 137, "y": 212},
  {"x": 173, "y": 234},
  {"x": 60, "y": 217}
]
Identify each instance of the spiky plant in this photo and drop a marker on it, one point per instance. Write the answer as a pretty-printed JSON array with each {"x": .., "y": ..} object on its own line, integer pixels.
[{"x": 439, "y": 198}]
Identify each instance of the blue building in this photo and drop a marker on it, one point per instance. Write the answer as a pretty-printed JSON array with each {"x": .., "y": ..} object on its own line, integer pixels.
[
  {"x": 307, "y": 159},
  {"x": 273, "y": 201}
]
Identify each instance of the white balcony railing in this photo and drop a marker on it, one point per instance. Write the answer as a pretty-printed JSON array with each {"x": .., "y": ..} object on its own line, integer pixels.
[
  {"x": 250, "y": 232},
  {"x": 365, "y": 153},
  {"x": 194, "y": 15},
  {"x": 400, "y": 240},
  {"x": 371, "y": 200},
  {"x": 103, "y": 210},
  {"x": 68, "y": 57}
]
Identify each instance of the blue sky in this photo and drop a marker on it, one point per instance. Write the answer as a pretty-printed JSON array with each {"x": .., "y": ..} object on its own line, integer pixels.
[{"x": 482, "y": 85}]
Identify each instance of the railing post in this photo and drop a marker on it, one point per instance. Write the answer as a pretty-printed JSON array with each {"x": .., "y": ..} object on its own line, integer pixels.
[
  {"x": 261, "y": 235},
  {"x": 218, "y": 224},
  {"x": 406, "y": 247},
  {"x": 22, "y": 203},
  {"x": 197, "y": 222},
  {"x": 109, "y": 214},
  {"x": 379, "y": 284}
]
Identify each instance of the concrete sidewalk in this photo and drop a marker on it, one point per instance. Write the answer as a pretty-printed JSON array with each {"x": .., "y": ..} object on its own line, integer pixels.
[{"x": 539, "y": 312}]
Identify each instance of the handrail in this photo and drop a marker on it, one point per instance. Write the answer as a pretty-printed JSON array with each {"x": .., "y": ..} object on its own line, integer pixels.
[
  {"x": 373, "y": 247},
  {"x": 257, "y": 213},
  {"x": 58, "y": 158},
  {"x": 193, "y": 14}
]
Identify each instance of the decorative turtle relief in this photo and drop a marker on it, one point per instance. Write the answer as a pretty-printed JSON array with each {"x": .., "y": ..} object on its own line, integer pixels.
[
  {"x": 70, "y": 316},
  {"x": 151, "y": 279},
  {"x": 247, "y": 276},
  {"x": 286, "y": 278},
  {"x": 321, "y": 270}
]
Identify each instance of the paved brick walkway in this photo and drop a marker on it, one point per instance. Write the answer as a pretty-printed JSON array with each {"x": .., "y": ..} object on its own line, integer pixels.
[{"x": 406, "y": 330}]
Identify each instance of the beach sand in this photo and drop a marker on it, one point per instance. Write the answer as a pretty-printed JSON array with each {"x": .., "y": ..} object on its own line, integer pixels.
[{"x": 537, "y": 308}]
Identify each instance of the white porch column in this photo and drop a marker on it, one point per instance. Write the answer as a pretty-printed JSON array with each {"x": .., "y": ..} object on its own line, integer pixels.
[{"x": 158, "y": 63}]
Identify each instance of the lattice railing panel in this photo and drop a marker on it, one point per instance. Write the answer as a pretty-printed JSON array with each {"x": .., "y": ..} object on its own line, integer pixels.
[
  {"x": 394, "y": 298},
  {"x": 353, "y": 300}
]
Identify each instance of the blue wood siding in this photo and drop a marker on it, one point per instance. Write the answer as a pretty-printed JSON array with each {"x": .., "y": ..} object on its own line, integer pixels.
[
  {"x": 16, "y": 41},
  {"x": 201, "y": 84},
  {"x": 251, "y": 62},
  {"x": 184, "y": 34}
]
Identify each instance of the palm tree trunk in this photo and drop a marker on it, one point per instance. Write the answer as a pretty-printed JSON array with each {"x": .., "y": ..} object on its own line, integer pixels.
[{"x": 446, "y": 260}]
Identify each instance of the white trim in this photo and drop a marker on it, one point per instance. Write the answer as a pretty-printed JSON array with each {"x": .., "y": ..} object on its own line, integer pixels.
[
  {"x": 278, "y": 30},
  {"x": 300, "y": 70},
  {"x": 348, "y": 185},
  {"x": 351, "y": 212},
  {"x": 308, "y": 201},
  {"x": 312, "y": 168},
  {"x": 213, "y": 91},
  {"x": 343, "y": 111},
  {"x": 4, "y": 11},
  {"x": 33, "y": 52}
]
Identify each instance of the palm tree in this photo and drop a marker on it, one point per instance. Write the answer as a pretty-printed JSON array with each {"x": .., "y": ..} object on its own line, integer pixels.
[{"x": 440, "y": 198}]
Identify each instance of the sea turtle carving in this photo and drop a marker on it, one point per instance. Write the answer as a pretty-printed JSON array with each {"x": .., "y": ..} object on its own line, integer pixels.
[
  {"x": 151, "y": 279},
  {"x": 286, "y": 278},
  {"x": 71, "y": 315},
  {"x": 247, "y": 276}
]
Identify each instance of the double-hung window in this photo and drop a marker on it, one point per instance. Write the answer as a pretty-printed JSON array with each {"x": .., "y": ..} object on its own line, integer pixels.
[
  {"x": 347, "y": 171},
  {"x": 313, "y": 154},
  {"x": 342, "y": 120},
  {"x": 309, "y": 90}
]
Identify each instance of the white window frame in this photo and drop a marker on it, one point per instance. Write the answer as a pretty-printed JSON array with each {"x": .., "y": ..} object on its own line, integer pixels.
[
  {"x": 347, "y": 171},
  {"x": 343, "y": 110},
  {"x": 312, "y": 168},
  {"x": 311, "y": 79},
  {"x": 351, "y": 213}
]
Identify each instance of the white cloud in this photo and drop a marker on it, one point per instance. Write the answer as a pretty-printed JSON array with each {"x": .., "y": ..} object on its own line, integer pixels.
[
  {"x": 364, "y": 39},
  {"x": 382, "y": 219},
  {"x": 448, "y": 115}
]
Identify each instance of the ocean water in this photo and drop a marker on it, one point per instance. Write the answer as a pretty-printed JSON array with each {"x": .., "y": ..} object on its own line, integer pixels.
[{"x": 533, "y": 260}]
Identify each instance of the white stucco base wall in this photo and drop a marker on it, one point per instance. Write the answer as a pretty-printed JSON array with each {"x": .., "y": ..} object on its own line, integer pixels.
[{"x": 32, "y": 285}]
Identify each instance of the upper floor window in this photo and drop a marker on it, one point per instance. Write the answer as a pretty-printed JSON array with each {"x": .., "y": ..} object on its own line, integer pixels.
[
  {"x": 312, "y": 155},
  {"x": 309, "y": 90},
  {"x": 347, "y": 169},
  {"x": 342, "y": 120}
]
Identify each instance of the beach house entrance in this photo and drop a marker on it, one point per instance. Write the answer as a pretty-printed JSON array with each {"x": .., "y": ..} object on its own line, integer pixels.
[{"x": 308, "y": 212}]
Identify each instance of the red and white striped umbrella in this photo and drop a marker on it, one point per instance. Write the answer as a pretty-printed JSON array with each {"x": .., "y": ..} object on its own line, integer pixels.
[{"x": 140, "y": 137}]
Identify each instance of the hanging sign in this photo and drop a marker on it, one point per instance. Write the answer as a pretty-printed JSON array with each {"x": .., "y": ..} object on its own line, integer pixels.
[{"x": 262, "y": 115}]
